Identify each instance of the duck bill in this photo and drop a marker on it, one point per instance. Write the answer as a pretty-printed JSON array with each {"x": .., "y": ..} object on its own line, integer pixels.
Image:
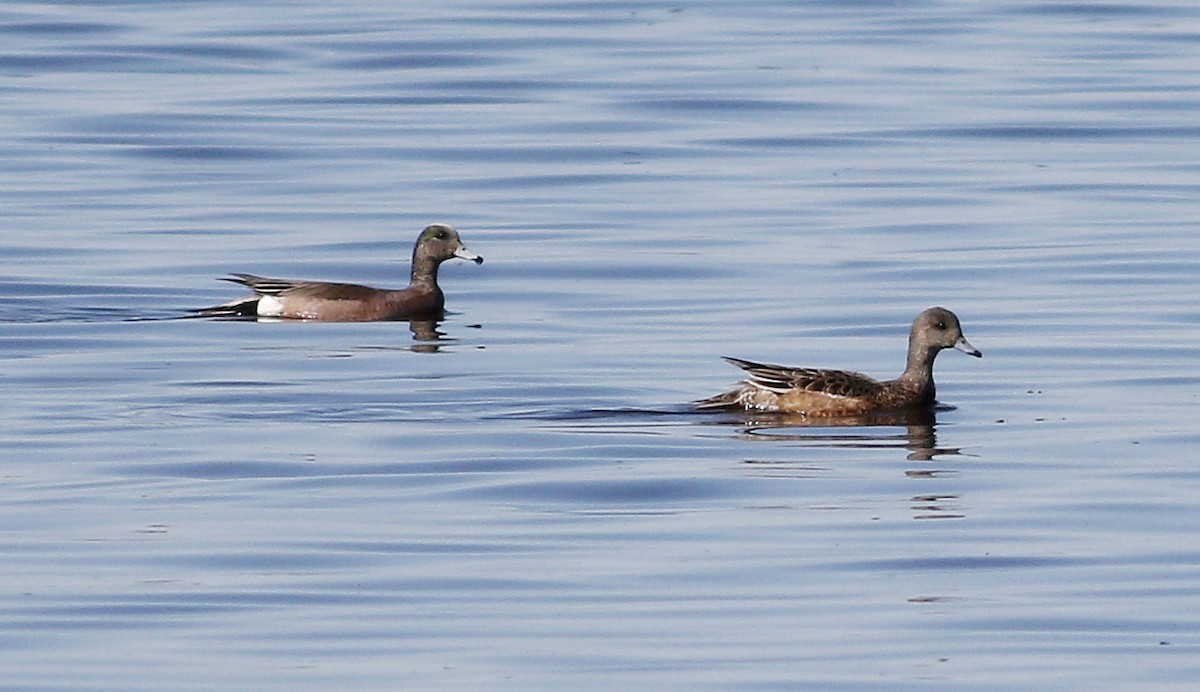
[
  {"x": 965, "y": 346},
  {"x": 463, "y": 253}
]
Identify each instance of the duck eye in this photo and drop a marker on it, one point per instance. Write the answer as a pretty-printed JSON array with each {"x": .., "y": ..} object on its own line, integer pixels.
[{"x": 941, "y": 325}]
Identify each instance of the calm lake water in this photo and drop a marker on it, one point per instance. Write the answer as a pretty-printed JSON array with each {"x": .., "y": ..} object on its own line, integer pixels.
[{"x": 521, "y": 497}]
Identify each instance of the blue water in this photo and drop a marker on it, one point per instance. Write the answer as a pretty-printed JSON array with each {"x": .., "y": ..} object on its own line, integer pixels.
[{"x": 518, "y": 497}]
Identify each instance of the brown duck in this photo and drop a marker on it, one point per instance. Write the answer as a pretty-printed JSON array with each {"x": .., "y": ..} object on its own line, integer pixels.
[
  {"x": 838, "y": 393},
  {"x": 337, "y": 302}
]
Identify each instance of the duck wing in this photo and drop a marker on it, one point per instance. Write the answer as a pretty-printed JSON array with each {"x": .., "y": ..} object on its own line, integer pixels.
[
  {"x": 262, "y": 285},
  {"x": 782, "y": 379},
  {"x": 314, "y": 289}
]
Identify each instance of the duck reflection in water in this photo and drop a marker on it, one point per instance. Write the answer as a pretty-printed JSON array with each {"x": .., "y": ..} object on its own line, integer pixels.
[
  {"x": 427, "y": 336},
  {"x": 919, "y": 436}
]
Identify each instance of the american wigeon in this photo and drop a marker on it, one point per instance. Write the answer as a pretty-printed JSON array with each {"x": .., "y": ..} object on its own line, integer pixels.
[
  {"x": 838, "y": 393},
  {"x": 336, "y": 302}
]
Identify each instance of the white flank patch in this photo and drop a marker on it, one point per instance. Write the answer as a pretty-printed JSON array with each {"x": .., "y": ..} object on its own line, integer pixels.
[{"x": 270, "y": 306}]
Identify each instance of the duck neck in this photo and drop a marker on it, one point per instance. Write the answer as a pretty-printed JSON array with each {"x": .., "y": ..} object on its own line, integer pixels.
[
  {"x": 424, "y": 271},
  {"x": 919, "y": 370}
]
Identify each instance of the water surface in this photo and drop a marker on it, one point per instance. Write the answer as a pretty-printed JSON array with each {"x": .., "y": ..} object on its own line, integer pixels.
[{"x": 518, "y": 496}]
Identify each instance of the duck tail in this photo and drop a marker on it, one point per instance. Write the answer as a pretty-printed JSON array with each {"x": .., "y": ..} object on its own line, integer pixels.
[
  {"x": 243, "y": 307},
  {"x": 725, "y": 400}
]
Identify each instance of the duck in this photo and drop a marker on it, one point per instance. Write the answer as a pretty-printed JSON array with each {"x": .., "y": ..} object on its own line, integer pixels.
[
  {"x": 819, "y": 393},
  {"x": 342, "y": 302}
]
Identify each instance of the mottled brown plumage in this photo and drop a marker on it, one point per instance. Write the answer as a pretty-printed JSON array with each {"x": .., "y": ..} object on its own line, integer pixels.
[
  {"x": 840, "y": 393},
  {"x": 338, "y": 302}
]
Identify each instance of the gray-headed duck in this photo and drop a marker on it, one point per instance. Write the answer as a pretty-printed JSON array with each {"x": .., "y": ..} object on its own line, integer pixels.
[
  {"x": 337, "y": 302},
  {"x": 838, "y": 393}
]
